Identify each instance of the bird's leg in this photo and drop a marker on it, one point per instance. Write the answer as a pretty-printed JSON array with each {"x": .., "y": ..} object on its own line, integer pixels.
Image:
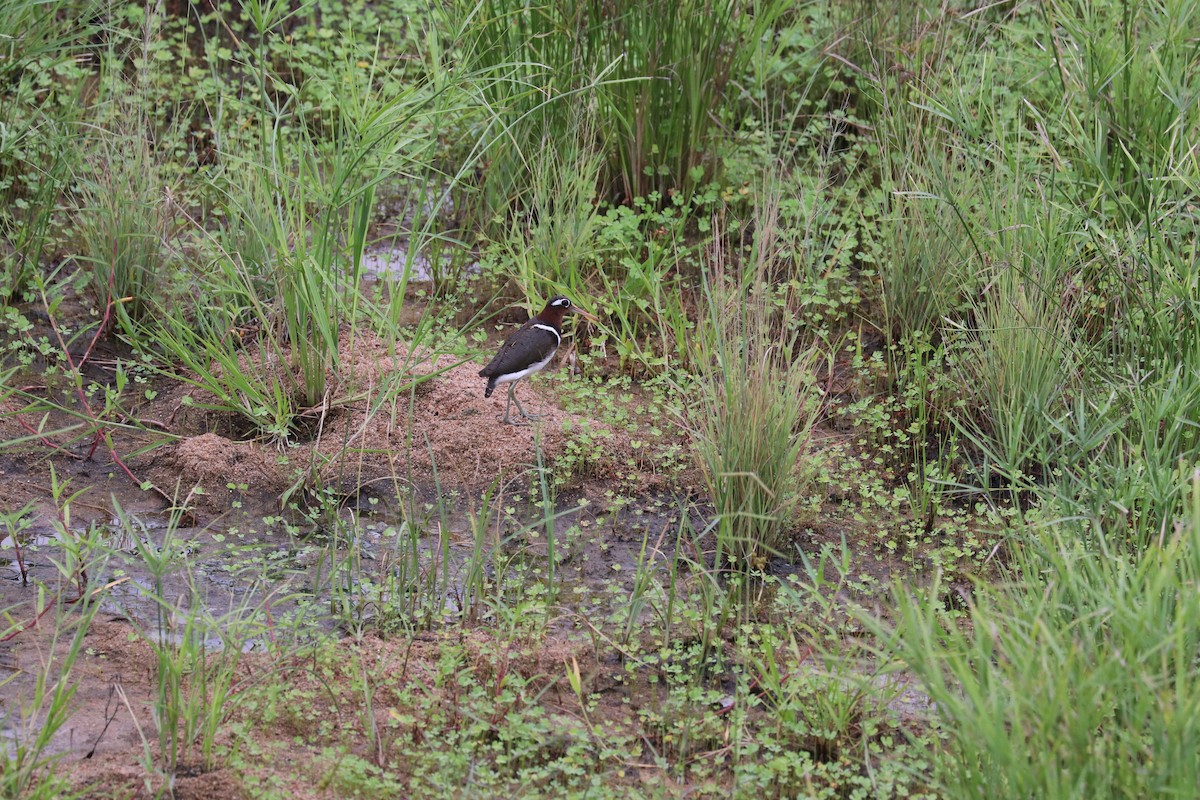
[
  {"x": 508, "y": 403},
  {"x": 524, "y": 413}
]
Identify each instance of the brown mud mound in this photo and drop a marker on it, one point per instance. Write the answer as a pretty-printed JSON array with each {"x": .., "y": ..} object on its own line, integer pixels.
[
  {"x": 445, "y": 423},
  {"x": 127, "y": 778},
  {"x": 397, "y": 419},
  {"x": 220, "y": 468}
]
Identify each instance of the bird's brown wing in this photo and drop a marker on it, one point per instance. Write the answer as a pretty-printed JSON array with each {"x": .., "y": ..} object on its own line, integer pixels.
[{"x": 526, "y": 347}]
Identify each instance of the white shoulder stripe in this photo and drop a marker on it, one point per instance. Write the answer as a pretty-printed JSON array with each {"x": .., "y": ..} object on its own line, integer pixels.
[{"x": 548, "y": 328}]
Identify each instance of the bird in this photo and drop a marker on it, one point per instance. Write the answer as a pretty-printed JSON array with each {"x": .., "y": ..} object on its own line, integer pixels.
[{"x": 527, "y": 351}]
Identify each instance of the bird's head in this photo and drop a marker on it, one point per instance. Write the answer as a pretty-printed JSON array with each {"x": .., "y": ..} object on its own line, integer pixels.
[{"x": 558, "y": 307}]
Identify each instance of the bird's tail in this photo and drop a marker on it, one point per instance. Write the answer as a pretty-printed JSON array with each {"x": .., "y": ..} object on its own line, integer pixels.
[{"x": 491, "y": 387}]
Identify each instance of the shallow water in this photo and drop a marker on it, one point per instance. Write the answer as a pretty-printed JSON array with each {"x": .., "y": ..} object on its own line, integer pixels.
[
  {"x": 390, "y": 262},
  {"x": 323, "y": 578},
  {"x": 257, "y": 583}
]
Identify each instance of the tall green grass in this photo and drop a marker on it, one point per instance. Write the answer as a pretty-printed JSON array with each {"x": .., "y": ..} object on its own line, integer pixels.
[
  {"x": 999, "y": 258},
  {"x": 677, "y": 64},
  {"x": 1126, "y": 457},
  {"x": 1132, "y": 72},
  {"x": 41, "y": 105},
  {"x": 656, "y": 73},
  {"x": 280, "y": 285},
  {"x": 196, "y": 660},
  {"x": 1077, "y": 678},
  {"x": 550, "y": 241},
  {"x": 64, "y": 603},
  {"x": 1021, "y": 371},
  {"x": 124, "y": 226},
  {"x": 750, "y": 417}
]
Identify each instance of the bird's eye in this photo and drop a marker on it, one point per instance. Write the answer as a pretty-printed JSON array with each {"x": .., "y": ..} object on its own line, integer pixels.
[{"x": 566, "y": 303}]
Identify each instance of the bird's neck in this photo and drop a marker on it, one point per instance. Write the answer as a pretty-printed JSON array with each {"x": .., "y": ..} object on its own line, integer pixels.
[{"x": 552, "y": 317}]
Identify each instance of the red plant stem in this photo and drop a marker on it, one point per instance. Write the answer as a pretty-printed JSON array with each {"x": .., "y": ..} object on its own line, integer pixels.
[
  {"x": 108, "y": 306},
  {"x": 95, "y": 444},
  {"x": 44, "y": 440},
  {"x": 33, "y": 622},
  {"x": 100, "y": 427}
]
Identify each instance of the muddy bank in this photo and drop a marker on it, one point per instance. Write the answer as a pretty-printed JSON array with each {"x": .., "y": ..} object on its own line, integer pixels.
[{"x": 400, "y": 419}]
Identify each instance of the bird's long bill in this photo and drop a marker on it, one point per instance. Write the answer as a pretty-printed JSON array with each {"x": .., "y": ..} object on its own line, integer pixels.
[{"x": 589, "y": 317}]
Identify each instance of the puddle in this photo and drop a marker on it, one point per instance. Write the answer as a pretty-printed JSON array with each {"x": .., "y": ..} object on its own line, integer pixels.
[
  {"x": 257, "y": 586},
  {"x": 223, "y": 575},
  {"x": 392, "y": 261}
]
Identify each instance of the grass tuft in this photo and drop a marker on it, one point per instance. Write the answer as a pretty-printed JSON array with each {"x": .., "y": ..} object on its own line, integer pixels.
[
  {"x": 751, "y": 416},
  {"x": 1074, "y": 680}
]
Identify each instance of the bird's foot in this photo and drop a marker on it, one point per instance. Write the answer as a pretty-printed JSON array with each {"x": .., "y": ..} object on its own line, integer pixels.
[{"x": 521, "y": 410}]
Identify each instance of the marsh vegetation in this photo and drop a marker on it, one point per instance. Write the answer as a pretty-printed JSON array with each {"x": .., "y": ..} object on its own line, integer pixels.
[{"x": 877, "y": 476}]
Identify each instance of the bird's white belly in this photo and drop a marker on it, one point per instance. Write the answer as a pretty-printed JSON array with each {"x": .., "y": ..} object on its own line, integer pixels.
[{"x": 532, "y": 368}]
